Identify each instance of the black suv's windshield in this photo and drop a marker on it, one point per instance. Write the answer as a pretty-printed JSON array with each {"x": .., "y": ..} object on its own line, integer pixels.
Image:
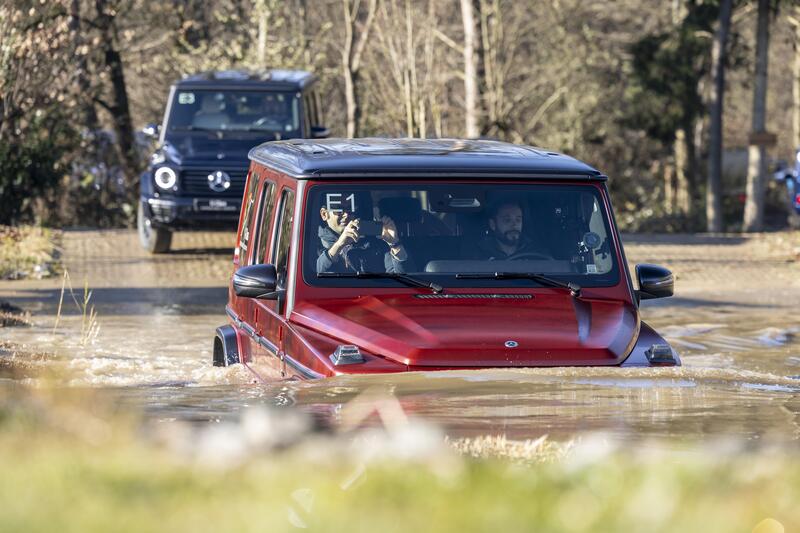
[
  {"x": 229, "y": 110},
  {"x": 459, "y": 234}
]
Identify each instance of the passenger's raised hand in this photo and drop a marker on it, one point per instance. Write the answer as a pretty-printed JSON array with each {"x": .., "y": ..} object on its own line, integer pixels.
[{"x": 350, "y": 233}]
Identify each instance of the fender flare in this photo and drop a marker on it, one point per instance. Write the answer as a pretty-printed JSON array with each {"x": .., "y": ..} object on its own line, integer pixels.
[
  {"x": 226, "y": 346},
  {"x": 146, "y": 184}
]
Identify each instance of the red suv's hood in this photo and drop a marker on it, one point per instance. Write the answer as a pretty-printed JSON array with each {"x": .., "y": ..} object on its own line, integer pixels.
[{"x": 551, "y": 329}]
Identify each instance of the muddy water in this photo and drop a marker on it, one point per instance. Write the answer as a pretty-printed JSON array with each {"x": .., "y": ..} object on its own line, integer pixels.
[
  {"x": 735, "y": 321},
  {"x": 740, "y": 379}
]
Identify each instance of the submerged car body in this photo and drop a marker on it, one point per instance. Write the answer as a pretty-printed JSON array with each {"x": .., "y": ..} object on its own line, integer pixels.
[
  {"x": 197, "y": 173},
  {"x": 467, "y": 254}
]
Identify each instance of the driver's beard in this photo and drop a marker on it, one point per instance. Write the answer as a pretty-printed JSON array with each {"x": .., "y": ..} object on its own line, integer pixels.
[{"x": 507, "y": 239}]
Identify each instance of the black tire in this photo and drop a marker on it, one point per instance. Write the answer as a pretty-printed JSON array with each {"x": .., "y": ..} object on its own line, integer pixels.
[
  {"x": 153, "y": 239},
  {"x": 226, "y": 352}
]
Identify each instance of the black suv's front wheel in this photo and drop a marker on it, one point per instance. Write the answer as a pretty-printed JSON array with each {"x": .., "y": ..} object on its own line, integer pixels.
[{"x": 153, "y": 239}]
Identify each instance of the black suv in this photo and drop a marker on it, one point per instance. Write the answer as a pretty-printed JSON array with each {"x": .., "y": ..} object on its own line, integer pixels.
[{"x": 196, "y": 176}]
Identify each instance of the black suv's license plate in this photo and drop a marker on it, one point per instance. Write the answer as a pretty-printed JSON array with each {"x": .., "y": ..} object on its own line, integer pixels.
[{"x": 216, "y": 205}]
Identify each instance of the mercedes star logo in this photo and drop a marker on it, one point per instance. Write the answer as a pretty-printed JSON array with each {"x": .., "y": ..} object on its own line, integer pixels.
[
  {"x": 511, "y": 344},
  {"x": 219, "y": 181}
]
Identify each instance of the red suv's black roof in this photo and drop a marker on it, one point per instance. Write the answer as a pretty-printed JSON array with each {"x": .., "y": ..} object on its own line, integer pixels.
[{"x": 344, "y": 158}]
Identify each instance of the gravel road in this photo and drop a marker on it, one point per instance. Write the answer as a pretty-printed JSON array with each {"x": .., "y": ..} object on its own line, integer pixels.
[{"x": 762, "y": 269}]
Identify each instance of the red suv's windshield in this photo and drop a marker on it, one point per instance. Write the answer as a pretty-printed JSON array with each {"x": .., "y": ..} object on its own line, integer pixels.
[{"x": 435, "y": 232}]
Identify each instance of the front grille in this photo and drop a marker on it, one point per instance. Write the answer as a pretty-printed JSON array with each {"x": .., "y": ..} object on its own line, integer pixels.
[
  {"x": 471, "y": 296},
  {"x": 195, "y": 182}
]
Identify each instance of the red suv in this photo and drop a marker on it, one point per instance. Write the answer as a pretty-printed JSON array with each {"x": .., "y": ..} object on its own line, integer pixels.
[{"x": 390, "y": 255}]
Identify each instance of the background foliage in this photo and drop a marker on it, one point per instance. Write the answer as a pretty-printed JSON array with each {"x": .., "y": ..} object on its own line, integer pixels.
[{"x": 621, "y": 84}]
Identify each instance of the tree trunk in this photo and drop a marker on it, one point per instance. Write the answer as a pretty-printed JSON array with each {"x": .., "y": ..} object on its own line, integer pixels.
[
  {"x": 718, "y": 60},
  {"x": 669, "y": 188},
  {"x": 262, "y": 14},
  {"x": 119, "y": 108},
  {"x": 757, "y": 164},
  {"x": 470, "y": 72},
  {"x": 88, "y": 112},
  {"x": 410, "y": 74},
  {"x": 306, "y": 41},
  {"x": 351, "y": 102},
  {"x": 795, "y": 20},
  {"x": 682, "y": 195},
  {"x": 794, "y": 217},
  {"x": 351, "y": 60}
]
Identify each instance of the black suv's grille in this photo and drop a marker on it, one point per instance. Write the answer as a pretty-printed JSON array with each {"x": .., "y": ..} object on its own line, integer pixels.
[{"x": 195, "y": 182}]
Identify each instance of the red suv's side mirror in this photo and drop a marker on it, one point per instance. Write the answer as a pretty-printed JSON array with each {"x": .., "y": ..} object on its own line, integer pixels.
[
  {"x": 654, "y": 282},
  {"x": 256, "y": 281}
]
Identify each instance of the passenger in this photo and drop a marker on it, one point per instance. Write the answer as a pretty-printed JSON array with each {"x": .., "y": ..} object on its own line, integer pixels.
[
  {"x": 505, "y": 240},
  {"x": 344, "y": 249}
]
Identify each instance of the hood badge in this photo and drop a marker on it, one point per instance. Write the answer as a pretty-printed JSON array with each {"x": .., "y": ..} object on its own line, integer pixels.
[
  {"x": 346, "y": 354},
  {"x": 511, "y": 344},
  {"x": 219, "y": 181}
]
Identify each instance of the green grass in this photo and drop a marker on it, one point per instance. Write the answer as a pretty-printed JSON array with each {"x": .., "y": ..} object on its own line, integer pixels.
[
  {"x": 27, "y": 251},
  {"x": 67, "y": 467}
]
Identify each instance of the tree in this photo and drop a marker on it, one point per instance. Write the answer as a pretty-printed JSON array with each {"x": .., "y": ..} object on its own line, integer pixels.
[
  {"x": 470, "y": 71},
  {"x": 665, "y": 97},
  {"x": 794, "y": 20},
  {"x": 357, "y": 25},
  {"x": 757, "y": 151},
  {"x": 718, "y": 64},
  {"x": 118, "y": 107}
]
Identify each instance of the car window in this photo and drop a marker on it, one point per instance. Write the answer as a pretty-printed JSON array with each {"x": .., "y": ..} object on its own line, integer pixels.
[
  {"x": 318, "y": 109},
  {"x": 311, "y": 109},
  {"x": 284, "y": 240},
  {"x": 561, "y": 231},
  {"x": 230, "y": 110},
  {"x": 266, "y": 209},
  {"x": 249, "y": 204}
]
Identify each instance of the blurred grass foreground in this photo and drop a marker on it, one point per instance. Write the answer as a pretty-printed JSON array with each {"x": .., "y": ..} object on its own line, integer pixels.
[
  {"x": 69, "y": 463},
  {"x": 27, "y": 251}
]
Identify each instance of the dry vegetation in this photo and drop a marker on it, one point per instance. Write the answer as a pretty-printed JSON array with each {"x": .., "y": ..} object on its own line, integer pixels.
[
  {"x": 67, "y": 459},
  {"x": 27, "y": 252}
]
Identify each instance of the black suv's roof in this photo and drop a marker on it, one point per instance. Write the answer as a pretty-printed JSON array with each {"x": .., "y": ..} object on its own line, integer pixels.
[
  {"x": 339, "y": 158},
  {"x": 245, "y": 79}
]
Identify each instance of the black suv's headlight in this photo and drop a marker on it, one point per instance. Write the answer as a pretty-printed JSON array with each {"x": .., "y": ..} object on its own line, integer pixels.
[{"x": 165, "y": 177}]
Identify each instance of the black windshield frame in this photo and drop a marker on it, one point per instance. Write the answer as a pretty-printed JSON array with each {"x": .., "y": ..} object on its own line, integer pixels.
[
  {"x": 291, "y": 100},
  {"x": 311, "y": 225}
]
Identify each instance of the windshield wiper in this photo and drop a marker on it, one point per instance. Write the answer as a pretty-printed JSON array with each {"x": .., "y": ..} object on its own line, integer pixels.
[
  {"x": 403, "y": 278},
  {"x": 574, "y": 288},
  {"x": 193, "y": 128}
]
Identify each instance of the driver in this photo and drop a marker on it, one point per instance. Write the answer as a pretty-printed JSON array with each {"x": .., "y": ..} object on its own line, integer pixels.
[
  {"x": 504, "y": 239},
  {"x": 344, "y": 249},
  {"x": 274, "y": 111}
]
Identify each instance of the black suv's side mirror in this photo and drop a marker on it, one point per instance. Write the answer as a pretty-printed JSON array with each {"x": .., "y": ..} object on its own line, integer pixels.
[
  {"x": 320, "y": 132},
  {"x": 654, "y": 282},
  {"x": 256, "y": 281}
]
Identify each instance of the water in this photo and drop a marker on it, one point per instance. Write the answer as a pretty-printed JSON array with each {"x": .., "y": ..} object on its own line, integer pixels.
[
  {"x": 734, "y": 320},
  {"x": 740, "y": 380}
]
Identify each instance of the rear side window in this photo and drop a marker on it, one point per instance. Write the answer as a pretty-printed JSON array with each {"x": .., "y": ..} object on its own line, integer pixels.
[
  {"x": 249, "y": 204},
  {"x": 266, "y": 209},
  {"x": 318, "y": 109},
  {"x": 311, "y": 109},
  {"x": 284, "y": 240}
]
